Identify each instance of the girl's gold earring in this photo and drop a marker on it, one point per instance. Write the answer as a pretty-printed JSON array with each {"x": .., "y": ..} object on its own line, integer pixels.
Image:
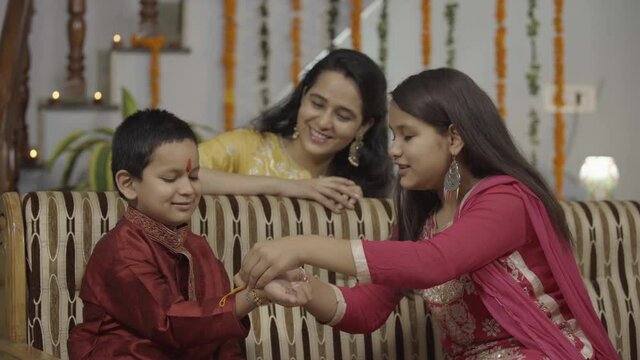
[
  {"x": 295, "y": 133},
  {"x": 452, "y": 181}
]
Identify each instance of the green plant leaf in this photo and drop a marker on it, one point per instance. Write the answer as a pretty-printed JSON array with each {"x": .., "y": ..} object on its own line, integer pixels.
[
  {"x": 74, "y": 154},
  {"x": 63, "y": 146},
  {"x": 129, "y": 105},
  {"x": 97, "y": 169},
  {"x": 110, "y": 185},
  {"x": 105, "y": 131}
]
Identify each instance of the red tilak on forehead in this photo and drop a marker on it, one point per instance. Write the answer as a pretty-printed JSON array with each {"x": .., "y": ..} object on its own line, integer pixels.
[{"x": 188, "y": 168}]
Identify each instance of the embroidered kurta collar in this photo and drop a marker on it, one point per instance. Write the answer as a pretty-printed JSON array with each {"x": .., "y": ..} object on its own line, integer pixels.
[{"x": 173, "y": 240}]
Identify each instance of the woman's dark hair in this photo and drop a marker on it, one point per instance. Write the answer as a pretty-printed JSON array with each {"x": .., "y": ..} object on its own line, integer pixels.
[
  {"x": 374, "y": 173},
  {"x": 140, "y": 134},
  {"x": 443, "y": 97}
]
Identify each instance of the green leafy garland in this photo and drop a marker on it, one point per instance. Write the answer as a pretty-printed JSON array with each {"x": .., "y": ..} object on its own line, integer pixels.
[
  {"x": 533, "y": 77},
  {"x": 383, "y": 24},
  {"x": 450, "y": 15},
  {"x": 263, "y": 71},
  {"x": 332, "y": 18}
]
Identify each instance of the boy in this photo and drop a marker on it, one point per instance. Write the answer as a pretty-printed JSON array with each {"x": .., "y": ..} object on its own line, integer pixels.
[{"x": 152, "y": 289}]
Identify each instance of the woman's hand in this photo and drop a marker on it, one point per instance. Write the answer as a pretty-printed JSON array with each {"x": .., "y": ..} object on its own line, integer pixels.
[
  {"x": 267, "y": 260},
  {"x": 290, "y": 289},
  {"x": 334, "y": 192}
]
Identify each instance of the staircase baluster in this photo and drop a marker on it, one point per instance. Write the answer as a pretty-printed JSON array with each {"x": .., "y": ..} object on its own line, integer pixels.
[
  {"x": 148, "y": 17},
  {"x": 75, "y": 86}
]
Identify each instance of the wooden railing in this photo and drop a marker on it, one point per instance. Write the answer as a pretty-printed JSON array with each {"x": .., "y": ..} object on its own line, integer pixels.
[
  {"x": 14, "y": 74},
  {"x": 14, "y": 90}
]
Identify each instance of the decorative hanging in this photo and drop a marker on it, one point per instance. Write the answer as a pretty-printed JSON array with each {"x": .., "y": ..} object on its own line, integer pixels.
[
  {"x": 383, "y": 25},
  {"x": 450, "y": 15},
  {"x": 501, "y": 52},
  {"x": 356, "y": 34},
  {"x": 426, "y": 33},
  {"x": 154, "y": 44},
  {"x": 533, "y": 78},
  {"x": 263, "y": 71},
  {"x": 229, "y": 62},
  {"x": 332, "y": 18},
  {"x": 296, "y": 26},
  {"x": 558, "y": 99}
]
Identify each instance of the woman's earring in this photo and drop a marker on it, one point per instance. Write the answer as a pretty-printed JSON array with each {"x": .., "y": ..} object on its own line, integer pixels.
[
  {"x": 354, "y": 151},
  {"x": 295, "y": 133},
  {"x": 452, "y": 181}
]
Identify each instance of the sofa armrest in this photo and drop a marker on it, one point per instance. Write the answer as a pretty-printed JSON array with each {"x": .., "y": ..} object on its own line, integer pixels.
[
  {"x": 13, "y": 280},
  {"x": 13, "y": 350}
]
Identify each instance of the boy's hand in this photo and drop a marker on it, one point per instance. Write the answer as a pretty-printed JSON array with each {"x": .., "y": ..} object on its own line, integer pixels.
[{"x": 290, "y": 289}]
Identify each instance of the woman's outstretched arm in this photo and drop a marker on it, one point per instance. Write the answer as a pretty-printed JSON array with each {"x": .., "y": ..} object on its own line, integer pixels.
[{"x": 335, "y": 193}]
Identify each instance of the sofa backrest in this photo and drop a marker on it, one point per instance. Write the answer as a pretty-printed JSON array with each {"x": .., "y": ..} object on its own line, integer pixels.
[{"x": 61, "y": 228}]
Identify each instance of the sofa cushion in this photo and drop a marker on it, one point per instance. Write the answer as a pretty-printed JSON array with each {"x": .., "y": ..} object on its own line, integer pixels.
[{"x": 61, "y": 229}]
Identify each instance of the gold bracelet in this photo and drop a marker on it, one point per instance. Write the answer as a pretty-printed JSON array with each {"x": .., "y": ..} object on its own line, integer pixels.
[{"x": 252, "y": 296}]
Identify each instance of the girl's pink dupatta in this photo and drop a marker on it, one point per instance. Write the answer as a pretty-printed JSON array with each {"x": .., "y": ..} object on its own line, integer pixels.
[{"x": 515, "y": 311}]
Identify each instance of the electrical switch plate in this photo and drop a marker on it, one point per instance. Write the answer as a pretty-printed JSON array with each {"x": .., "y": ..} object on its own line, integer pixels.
[{"x": 578, "y": 98}]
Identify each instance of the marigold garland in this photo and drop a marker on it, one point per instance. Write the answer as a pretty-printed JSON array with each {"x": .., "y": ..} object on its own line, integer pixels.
[
  {"x": 501, "y": 52},
  {"x": 559, "y": 158},
  {"x": 450, "y": 15},
  {"x": 356, "y": 33},
  {"x": 154, "y": 44},
  {"x": 426, "y": 33},
  {"x": 383, "y": 25},
  {"x": 263, "y": 71},
  {"x": 229, "y": 62},
  {"x": 296, "y": 25},
  {"x": 332, "y": 18}
]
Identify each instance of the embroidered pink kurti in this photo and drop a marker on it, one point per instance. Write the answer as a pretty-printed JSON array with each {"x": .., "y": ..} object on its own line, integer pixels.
[
  {"x": 493, "y": 233},
  {"x": 150, "y": 292}
]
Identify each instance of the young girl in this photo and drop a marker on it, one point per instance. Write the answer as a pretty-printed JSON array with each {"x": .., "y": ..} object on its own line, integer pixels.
[{"x": 479, "y": 236}]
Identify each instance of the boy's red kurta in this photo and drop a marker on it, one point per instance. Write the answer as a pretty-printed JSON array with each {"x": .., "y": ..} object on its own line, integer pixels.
[{"x": 150, "y": 292}]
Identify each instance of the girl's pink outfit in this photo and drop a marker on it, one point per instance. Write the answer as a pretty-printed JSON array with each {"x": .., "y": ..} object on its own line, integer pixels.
[{"x": 500, "y": 281}]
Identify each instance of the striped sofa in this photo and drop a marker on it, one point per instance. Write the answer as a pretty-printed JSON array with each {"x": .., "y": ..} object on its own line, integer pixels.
[{"x": 46, "y": 239}]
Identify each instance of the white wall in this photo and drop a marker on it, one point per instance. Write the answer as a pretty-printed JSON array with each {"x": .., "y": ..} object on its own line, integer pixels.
[{"x": 601, "y": 49}]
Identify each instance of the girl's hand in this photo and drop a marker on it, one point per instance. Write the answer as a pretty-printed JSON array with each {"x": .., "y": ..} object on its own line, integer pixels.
[
  {"x": 268, "y": 259},
  {"x": 335, "y": 193},
  {"x": 290, "y": 289}
]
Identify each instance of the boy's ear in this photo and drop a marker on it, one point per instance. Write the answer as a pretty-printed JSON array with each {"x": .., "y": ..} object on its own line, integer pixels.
[
  {"x": 455, "y": 140},
  {"x": 126, "y": 185}
]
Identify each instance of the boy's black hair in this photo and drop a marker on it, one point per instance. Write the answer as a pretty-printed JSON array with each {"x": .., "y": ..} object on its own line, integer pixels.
[{"x": 140, "y": 134}]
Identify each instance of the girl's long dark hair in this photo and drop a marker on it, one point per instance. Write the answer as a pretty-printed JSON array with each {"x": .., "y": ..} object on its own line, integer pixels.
[
  {"x": 443, "y": 97},
  {"x": 374, "y": 174}
]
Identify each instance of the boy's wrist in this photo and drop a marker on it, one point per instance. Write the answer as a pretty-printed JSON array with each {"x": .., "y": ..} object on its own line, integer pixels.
[{"x": 257, "y": 297}]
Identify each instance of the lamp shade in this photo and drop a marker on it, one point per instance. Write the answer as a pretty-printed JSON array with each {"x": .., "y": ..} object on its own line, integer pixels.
[{"x": 600, "y": 175}]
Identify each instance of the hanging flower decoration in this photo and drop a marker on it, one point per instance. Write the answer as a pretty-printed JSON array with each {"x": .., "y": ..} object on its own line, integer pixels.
[
  {"x": 356, "y": 34},
  {"x": 154, "y": 44},
  {"x": 559, "y": 159},
  {"x": 426, "y": 33},
  {"x": 533, "y": 77},
  {"x": 263, "y": 71},
  {"x": 501, "y": 52},
  {"x": 332, "y": 18},
  {"x": 296, "y": 25},
  {"x": 229, "y": 62},
  {"x": 383, "y": 25},
  {"x": 450, "y": 15}
]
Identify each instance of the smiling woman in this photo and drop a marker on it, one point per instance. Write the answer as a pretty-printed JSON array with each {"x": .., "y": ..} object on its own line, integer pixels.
[{"x": 327, "y": 141}]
